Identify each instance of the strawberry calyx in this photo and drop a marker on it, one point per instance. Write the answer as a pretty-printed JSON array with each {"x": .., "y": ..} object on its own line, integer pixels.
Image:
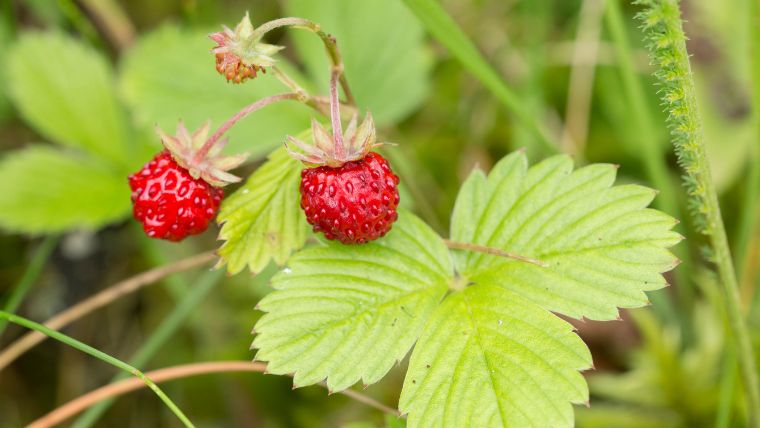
[
  {"x": 204, "y": 161},
  {"x": 240, "y": 54},
  {"x": 354, "y": 144}
]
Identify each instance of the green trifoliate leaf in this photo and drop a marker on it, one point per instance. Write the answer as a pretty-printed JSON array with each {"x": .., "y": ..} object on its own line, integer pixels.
[
  {"x": 604, "y": 247},
  {"x": 66, "y": 92},
  {"x": 46, "y": 190},
  {"x": 349, "y": 313},
  {"x": 262, "y": 220},
  {"x": 490, "y": 358}
]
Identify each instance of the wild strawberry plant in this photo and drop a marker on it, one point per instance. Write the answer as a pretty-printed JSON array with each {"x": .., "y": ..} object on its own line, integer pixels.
[
  {"x": 481, "y": 313},
  {"x": 477, "y": 311}
]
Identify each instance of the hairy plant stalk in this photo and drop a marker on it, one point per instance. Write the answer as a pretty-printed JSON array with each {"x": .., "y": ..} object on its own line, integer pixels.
[
  {"x": 125, "y": 386},
  {"x": 212, "y": 140},
  {"x": 652, "y": 157},
  {"x": 663, "y": 28},
  {"x": 99, "y": 300},
  {"x": 337, "y": 128},
  {"x": 141, "y": 377}
]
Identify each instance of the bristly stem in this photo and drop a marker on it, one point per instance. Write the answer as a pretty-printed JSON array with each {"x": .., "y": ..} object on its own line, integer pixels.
[
  {"x": 337, "y": 128},
  {"x": 663, "y": 27},
  {"x": 466, "y": 246},
  {"x": 101, "y": 356},
  {"x": 331, "y": 45},
  {"x": 203, "y": 151},
  {"x": 653, "y": 158}
]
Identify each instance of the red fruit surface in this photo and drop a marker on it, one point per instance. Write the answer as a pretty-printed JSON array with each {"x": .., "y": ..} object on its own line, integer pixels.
[
  {"x": 354, "y": 203},
  {"x": 169, "y": 202}
]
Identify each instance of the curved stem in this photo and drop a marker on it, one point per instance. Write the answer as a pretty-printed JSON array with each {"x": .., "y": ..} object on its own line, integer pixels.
[
  {"x": 455, "y": 245},
  {"x": 158, "y": 338},
  {"x": 203, "y": 151},
  {"x": 81, "y": 403},
  {"x": 667, "y": 43},
  {"x": 331, "y": 45},
  {"x": 141, "y": 377},
  {"x": 99, "y": 300},
  {"x": 288, "y": 81}
]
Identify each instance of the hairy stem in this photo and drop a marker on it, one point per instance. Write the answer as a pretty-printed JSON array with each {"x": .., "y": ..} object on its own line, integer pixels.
[
  {"x": 652, "y": 157},
  {"x": 337, "y": 128},
  {"x": 331, "y": 45},
  {"x": 455, "y": 245},
  {"x": 101, "y": 356},
  {"x": 99, "y": 300},
  {"x": 30, "y": 276},
  {"x": 122, "y": 387},
  {"x": 203, "y": 151},
  {"x": 667, "y": 44}
]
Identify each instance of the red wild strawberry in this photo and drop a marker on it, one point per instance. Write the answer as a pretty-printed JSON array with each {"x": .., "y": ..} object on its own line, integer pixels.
[
  {"x": 350, "y": 194},
  {"x": 178, "y": 192},
  {"x": 353, "y": 203},
  {"x": 169, "y": 202}
]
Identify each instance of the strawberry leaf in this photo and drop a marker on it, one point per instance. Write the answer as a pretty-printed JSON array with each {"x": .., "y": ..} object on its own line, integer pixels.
[
  {"x": 262, "y": 220},
  {"x": 47, "y": 190},
  {"x": 603, "y": 246},
  {"x": 491, "y": 354},
  {"x": 349, "y": 313},
  {"x": 489, "y": 357},
  {"x": 73, "y": 101}
]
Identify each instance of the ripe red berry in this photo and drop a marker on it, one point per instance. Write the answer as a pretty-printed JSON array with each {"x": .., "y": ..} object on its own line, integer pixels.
[
  {"x": 169, "y": 202},
  {"x": 353, "y": 203}
]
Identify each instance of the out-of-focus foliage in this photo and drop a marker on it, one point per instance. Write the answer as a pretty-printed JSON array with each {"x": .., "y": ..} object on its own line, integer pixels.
[{"x": 86, "y": 120}]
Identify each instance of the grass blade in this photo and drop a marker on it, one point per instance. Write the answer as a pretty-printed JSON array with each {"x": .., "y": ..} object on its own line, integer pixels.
[
  {"x": 31, "y": 274},
  {"x": 87, "y": 349},
  {"x": 157, "y": 339},
  {"x": 447, "y": 32}
]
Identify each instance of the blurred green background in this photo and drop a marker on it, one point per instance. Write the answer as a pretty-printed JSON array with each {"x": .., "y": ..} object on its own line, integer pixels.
[{"x": 83, "y": 82}]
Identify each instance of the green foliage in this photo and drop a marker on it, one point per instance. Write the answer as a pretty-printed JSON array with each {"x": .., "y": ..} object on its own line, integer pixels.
[
  {"x": 603, "y": 247},
  {"x": 349, "y": 313},
  {"x": 262, "y": 220},
  {"x": 169, "y": 76},
  {"x": 73, "y": 103},
  {"x": 65, "y": 91},
  {"x": 489, "y": 357},
  {"x": 48, "y": 190},
  {"x": 491, "y": 354},
  {"x": 447, "y": 32},
  {"x": 383, "y": 49}
]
